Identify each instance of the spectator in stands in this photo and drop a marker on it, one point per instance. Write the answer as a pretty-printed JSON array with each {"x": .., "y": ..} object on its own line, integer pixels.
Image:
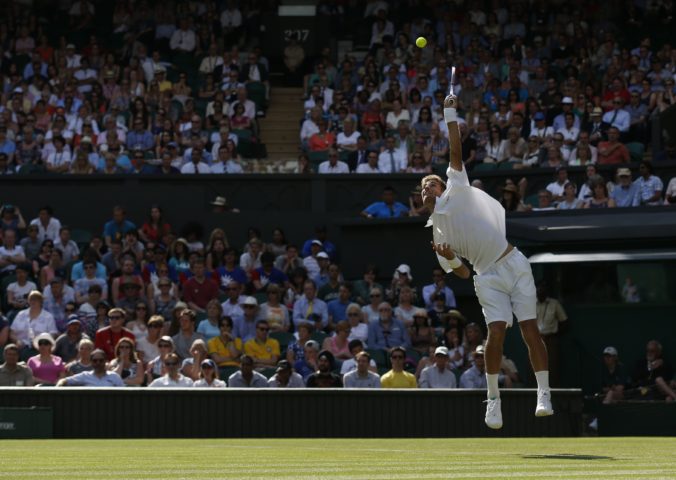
[
  {"x": 290, "y": 261},
  {"x": 626, "y": 193},
  {"x": 618, "y": 117},
  {"x": 475, "y": 376},
  {"x": 199, "y": 290},
  {"x": 17, "y": 291},
  {"x": 387, "y": 208},
  {"x": 569, "y": 200},
  {"x": 225, "y": 349},
  {"x": 262, "y": 349},
  {"x": 362, "y": 376},
  {"x": 309, "y": 309},
  {"x": 650, "y": 186},
  {"x": 147, "y": 347},
  {"x": 599, "y": 198},
  {"x": 247, "y": 377},
  {"x": 392, "y": 160},
  {"x": 333, "y": 165},
  {"x": 31, "y": 322},
  {"x": 614, "y": 378},
  {"x": 612, "y": 151},
  {"x": 11, "y": 254},
  {"x": 438, "y": 285},
  {"x": 653, "y": 373},
  {"x": 12, "y": 372},
  {"x": 397, "y": 377},
  {"x": 296, "y": 349},
  {"x": 184, "y": 339},
  {"x": 324, "y": 377},
  {"x": 670, "y": 192},
  {"x": 126, "y": 363},
  {"x": 47, "y": 368},
  {"x": 557, "y": 186},
  {"x": 98, "y": 376},
  {"x": 387, "y": 332},
  {"x": 551, "y": 319},
  {"x": 285, "y": 377},
  {"x": 173, "y": 378},
  {"x": 108, "y": 337},
  {"x": 438, "y": 375},
  {"x": 116, "y": 228},
  {"x": 66, "y": 345},
  {"x": 338, "y": 344},
  {"x": 208, "y": 377}
]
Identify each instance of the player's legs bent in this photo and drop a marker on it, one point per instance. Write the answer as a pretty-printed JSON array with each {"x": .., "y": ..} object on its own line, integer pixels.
[
  {"x": 537, "y": 352},
  {"x": 493, "y": 348}
]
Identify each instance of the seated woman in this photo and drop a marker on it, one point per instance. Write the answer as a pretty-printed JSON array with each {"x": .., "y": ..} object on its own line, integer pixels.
[
  {"x": 338, "y": 343},
  {"x": 126, "y": 363},
  {"x": 208, "y": 377}
]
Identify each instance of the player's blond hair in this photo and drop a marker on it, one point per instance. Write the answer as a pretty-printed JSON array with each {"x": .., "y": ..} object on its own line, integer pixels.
[{"x": 436, "y": 178}]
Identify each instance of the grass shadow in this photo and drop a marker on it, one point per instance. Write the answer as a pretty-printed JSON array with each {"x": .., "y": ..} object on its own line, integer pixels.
[{"x": 568, "y": 456}]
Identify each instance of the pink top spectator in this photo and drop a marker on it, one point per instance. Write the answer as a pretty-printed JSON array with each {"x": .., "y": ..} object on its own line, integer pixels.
[{"x": 48, "y": 371}]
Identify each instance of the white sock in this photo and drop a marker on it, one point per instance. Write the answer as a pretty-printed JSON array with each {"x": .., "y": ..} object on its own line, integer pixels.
[
  {"x": 492, "y": 383},
  {"x": 542, "y": 378}
]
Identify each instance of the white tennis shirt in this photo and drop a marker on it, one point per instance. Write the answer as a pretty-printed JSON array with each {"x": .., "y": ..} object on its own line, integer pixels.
[{"x": 470, "y": 221}]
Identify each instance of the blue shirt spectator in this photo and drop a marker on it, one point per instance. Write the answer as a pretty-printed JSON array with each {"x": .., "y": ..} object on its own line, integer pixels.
[
  {"x": 388, "y": 335},
  {"x": 116, "y": 230},
  {"x": 383, "y": 210},
  {"x": 223, "y": 276},
  {"x": 338, "y": 309},
  {"x": 140, "y": 139},
  {"x": 626, "y": 193},
  {"x": 77, "y": 271},
  {"x": 305, "y": 311}
]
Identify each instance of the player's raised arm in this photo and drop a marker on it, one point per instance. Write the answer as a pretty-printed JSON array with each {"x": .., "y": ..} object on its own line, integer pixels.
[{"x": 451, "y": 119}]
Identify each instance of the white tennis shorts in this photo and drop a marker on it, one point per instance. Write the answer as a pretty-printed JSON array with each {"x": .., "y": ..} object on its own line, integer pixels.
[{"x": 506, "y": 289}]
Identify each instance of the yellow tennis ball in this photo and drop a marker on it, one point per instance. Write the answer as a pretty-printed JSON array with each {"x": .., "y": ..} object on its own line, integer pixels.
[{"x": 421, "y": 42}]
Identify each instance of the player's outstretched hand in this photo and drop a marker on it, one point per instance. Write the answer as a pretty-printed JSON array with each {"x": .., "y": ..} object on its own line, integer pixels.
[
  {"x": 443, "y": 249},
  {"x": 451, "y": 101}
]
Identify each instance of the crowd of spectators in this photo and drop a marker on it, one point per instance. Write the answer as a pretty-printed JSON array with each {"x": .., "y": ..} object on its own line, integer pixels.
[
  {"x": 548, "y": 86},
  {"x": 162, "y": 310},
  {"x": 119, "y": 88}
]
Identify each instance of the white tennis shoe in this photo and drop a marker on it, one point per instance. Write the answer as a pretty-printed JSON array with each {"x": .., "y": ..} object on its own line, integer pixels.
[
  {"x": 544, "y": 405},
  {"x": 493, "y": 413}
]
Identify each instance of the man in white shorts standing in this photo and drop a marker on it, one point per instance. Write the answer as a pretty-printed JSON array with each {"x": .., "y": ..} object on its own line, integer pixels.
[{"x": 469, "y": 223}]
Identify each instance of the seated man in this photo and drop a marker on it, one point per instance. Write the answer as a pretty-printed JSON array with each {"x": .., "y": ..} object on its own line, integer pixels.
[
  {"x": 247, "y": 377},
  {"x": 613, "y": 376},
  {"x": 475, "y": 376},
  {"x": 356, "y": 346},
  {"x": 285, "y": 377},
  {"x": 388, "y": 207},
  {"x": 173, "y": 378},
  {"x": 263, "y": 349},
  {"x": 309, "y": 363},
  {"x": 362, "y": 376},
  {"x": 398, "y": 377},
  {"x": 387, "y": 332},
  {"x": 324, "y": 376},
  {"x": 99, "y": 376},
  {"x": 653, "y": 374},
  {"x": 438, "y": 375},
  {"x": 13, "y": 373}
]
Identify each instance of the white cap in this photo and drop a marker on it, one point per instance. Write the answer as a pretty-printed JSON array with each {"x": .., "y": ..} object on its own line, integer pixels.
[
  {"x": 441, "y": 351},
  {"x": 479, "y": 350},
  {"x": 317, "y": 242},
  {"x": 323, "y": 255},
  {"x": 43, "y": 336},
  {"x": 610, "y": 351},
  {"x": 250, "y": 301},
  {"x": 567, "y": 100},
  {"x": 403, "y": 268}
]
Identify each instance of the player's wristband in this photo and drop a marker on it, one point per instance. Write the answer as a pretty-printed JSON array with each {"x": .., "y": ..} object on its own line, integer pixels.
[
  {"x": 455, "y": 263},
  {"x": 450, "y": 115}
]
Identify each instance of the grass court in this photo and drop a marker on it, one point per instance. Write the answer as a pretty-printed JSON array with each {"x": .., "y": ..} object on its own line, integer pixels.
[{"x": 485, "y": 458}]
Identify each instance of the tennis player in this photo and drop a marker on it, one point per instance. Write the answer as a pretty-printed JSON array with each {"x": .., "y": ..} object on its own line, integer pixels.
[{"x": 468, "y": 223}]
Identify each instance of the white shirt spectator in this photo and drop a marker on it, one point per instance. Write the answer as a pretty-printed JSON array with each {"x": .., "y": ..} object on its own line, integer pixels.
[
  {"x": 556, "y": 189},
  {"x": 343, "y": 139},
  {"x": 387, "y": 160},
  {"x": 231, "y": 18},
  {"x": 339, "y": 167},
  {"x": 191, "y": 168},
  {"x": 56, "y": 159},
  {"x": 366, "y": 168},
  {"x": 85, "y": 74},
  {"x": 393, "y": 120},
  {"x": 202, "y": 383},
  {"x": 351, "y": 364},
  {"x": 249, "y": 109},
  {"x": 90, "y": 379},
  {"x": 52, "y": 230},
  {"x": 354, "y": 380},
  {"x": 571, "y": 134},
  {"x": 308, "y": 129},
  {"x": 209, "y": 63},
  {"x": 431, "y": 377},
  {"x": 25, "y": 330},
  {"x": 594, "y": 154},
  {"x": 231, "y": 166},
  {"x": 295, "y": 381},
  {"x": 166, "y": 382},
  {"x": 11, "y": 252},
  {"x": 183, "y": 40}
]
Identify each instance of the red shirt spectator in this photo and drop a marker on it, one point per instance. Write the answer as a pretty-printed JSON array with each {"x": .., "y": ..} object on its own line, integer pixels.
[
  {"x": 198, "y": 290},
  {"x": 107, "y": 337},
  {"x": 612, "y": 151}
]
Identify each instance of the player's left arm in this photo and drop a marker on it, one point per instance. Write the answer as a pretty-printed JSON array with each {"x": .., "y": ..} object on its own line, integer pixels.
[{"x": 445, "y": 251}]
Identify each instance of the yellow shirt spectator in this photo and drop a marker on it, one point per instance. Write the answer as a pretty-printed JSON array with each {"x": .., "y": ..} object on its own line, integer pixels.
[
  {"x": 217, "y": 346},
  {"x": 262, "y": 351},
  {"x": 401, "y": 379}
]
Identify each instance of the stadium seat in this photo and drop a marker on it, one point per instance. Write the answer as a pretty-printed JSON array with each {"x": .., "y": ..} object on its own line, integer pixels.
[
  {"x": 379, "y": 357},
  {"x": 225, "y": 372},
  {"x": 531, "y": 200},
  {"x": 284, "y": 339},
  {"x": 636, "y": 151},
  {"x": 81, "y": 237},
  {"x": 505, "y": 166},
  {"x": 484, "y": 167},
  {"x": 256, "y": 93},
  {"x": 317, "y": 157},
  {"x": 268, "y": 372},
  {"x": 319, "y": 338}
]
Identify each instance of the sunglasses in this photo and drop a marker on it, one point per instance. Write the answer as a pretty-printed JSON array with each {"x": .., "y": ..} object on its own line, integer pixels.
[
  {"x": 263, "y": 329},
  {"x": 205, "y": 367},
  {"x": 353, "y": 314}
]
